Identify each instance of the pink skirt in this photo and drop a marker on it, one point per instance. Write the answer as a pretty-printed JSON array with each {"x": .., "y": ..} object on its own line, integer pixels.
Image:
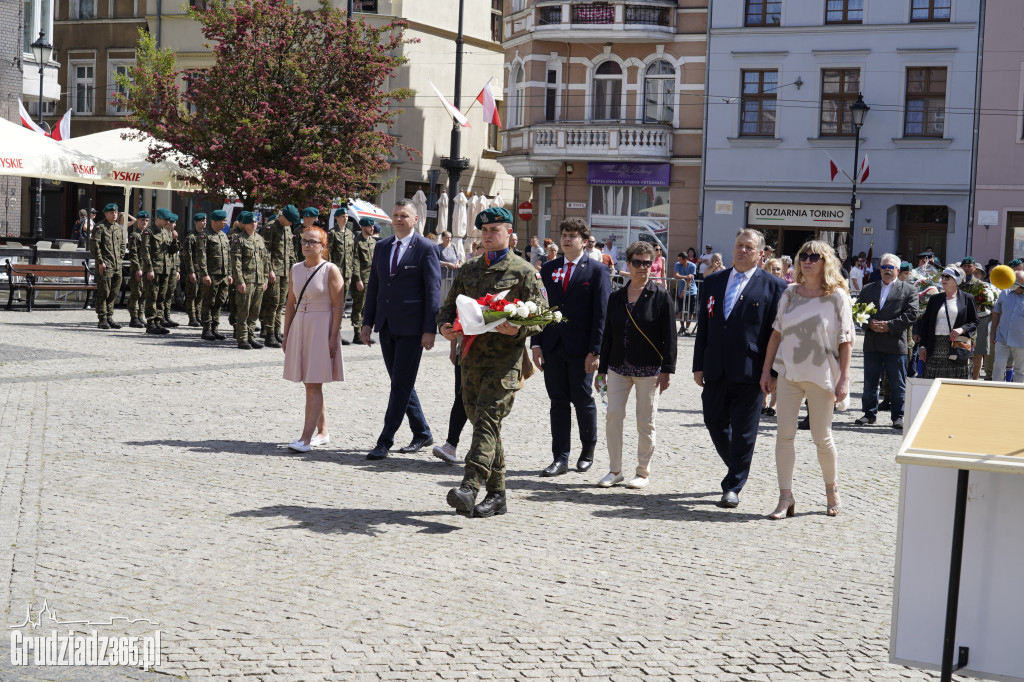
[{"x": 307, "y": 357}]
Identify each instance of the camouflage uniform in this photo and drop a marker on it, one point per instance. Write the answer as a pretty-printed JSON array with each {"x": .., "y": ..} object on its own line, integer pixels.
[
  {"x": 157, "y": 249},
  {"x": 361, "y": 273},
  {"x": 341, "y": 250},
  {"x": 172, "y": 283},
  {"x": 213, "y": 260},
  {"x": 233, "y": 233},
  {"x": 136, "y": 307},
  {"x": 107, "y": 246},
  {"x": 250, "y": 266},
  {"x": 278, "y": 240},
  {"x": 188, "y": 268},
  {"x": 492, "y": 369}
]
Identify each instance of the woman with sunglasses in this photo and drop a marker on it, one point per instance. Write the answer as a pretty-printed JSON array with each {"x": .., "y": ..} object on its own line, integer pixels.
[
  {"x": 312, "y": 333},
  {"x": 810, "y": 350},
  {"x": 947, "y": 318},
  {"x": 638, "y": 349}
]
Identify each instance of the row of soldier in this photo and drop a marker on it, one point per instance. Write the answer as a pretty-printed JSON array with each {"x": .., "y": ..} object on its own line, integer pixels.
[{"x": 211, "y": 263}]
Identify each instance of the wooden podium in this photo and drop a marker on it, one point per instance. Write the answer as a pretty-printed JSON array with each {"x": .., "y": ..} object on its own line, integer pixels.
[{"x": 958, "y": 577}]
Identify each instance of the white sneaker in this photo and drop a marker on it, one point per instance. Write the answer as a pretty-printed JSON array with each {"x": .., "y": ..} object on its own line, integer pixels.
[
  {"x": 445, "y": 453},
  {"x": 638, "y": 482},
  {"x": 319, "y": 439},
  {"x": 299, "y": 446},
  {"x": 610, "y": 479}
]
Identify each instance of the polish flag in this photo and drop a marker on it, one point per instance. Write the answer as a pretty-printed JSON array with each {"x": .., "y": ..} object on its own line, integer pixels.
[
  {"x": 62, "y": 131},
  {"x": 27, "y": 121},
  {"x": 833, "y": 169},
  {"x": 450, "y": 108},
  {"x": 486, "y": 99},
  {"x": 864, "y": 171}
]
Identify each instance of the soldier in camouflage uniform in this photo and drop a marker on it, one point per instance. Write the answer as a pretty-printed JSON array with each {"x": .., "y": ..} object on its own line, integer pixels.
[
  {"x": 492, "y": 368},
  {"x": 364, "y": 244},
  {"x": 278, "y": 238},
  {"x": 250, "y": 268},
  {"x": 213, "y": 268},
  {"x": 136, "y": 305},
  {"x": 173, "y": 277},
  {"x": 193, "y": 297},
  {"x": 157, "y": 248},
  {"x": 233, "y": 234},
  {"x": 310, "y": 218},
  {"x": 107, "y": 245},
  {"x": 341, "y": 250}
]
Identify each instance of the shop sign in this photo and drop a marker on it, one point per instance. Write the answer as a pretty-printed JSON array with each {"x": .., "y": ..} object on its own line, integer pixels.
[
  {"x": 629, "y": 174},
  {"x": 824, "y": 216}
]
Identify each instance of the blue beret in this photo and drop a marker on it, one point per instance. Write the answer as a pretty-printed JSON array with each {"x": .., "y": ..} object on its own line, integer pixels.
[
  {"x": 163, "y": 214},
  {"x": 198, "y": 216},
  {"x": 173, "y": 217},
  {"x": 246, "y": 218},
  {"x": 367, "y": 222},
  {"x": 493, "y": 215},
  {"x": 110, "y": 207},
  {"x": 218, "y": 215},
  {"x": 309, "y": 212},
  {"x": 142, "y": 214},
  {"x": 291, "y": 213}
]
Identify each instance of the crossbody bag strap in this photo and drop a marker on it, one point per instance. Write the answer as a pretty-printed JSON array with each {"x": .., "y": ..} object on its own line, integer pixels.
[
  {"x": 628, "y": 312},
  {"x": 308, "y": 280}
]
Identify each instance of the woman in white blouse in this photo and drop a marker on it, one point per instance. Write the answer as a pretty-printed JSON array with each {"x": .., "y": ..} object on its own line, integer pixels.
[{"x": 810, "y": 351}]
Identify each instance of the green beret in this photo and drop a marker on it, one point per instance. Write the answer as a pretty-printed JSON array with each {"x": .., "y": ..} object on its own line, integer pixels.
[
  {"x": 142, "y": 214},
  {"x": 163, "y": 214},
  {"x": 969, "y": 259},
  {"x": 110, "y": 207},
  {"x": 246, "y": 218},
  {"x": 1015, "y": 262},
  {"x": 173, "y": 217},
  {"x": 218, "y": 215},
  {"x": 367, "y": 222},
  {"x": 906, "y": 267},
  {"x": 198, "y": 216},
  {"x": 309, "y": 212},
  {"x": 291, "y": 213},
  {"x": 493, "y": 215}
]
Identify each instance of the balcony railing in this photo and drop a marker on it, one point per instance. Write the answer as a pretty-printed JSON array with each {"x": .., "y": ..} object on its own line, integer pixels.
[
  {"x": 549, "y": 15},
  {"x": 590, "y": 140},
  {"x": 593, "y": 13},
  {"x": 649, "y": 16}
]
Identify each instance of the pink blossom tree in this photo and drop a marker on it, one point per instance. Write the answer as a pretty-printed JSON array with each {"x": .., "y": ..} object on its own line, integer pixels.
[{"x": 293, "y": 110}]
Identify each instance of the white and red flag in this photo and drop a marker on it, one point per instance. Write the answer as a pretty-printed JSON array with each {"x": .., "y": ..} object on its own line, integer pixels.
[
  {"x": 490, "y": 105},
  {"x": 451, "y": 109},
  {"x": 61, "y": 131},
  {"x": 833, "y": 169},
  {"x": 27, "y": 121},
  {"x": 864, "y": 170}
]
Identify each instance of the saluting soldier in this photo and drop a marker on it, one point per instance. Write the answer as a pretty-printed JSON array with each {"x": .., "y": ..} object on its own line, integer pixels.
[
  {"x": 193, "y": 297},
  {"x": 250, "y": 269},
  {"x": 213, "y": 268},
  {"x": 157, "y": 247},
  {"x": 278, "y": 237},
  {"x": 492, "y": 369},
  {"x": 364, "y": 244},
  {"x": 341, "y": 250},
  {"x": 107, "y": 245},
  {"x": 136, "y": 305},
  {"x": 174, "y": 276}
]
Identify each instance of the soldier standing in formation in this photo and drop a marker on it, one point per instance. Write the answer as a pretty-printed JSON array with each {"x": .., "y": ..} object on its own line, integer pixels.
[
  {"x": 233, "y": 233},
  {"x": 136, "y": 307},
  {"x": 174, "y": 276},
  {"x": 107, "y": 245},
  {"x": 193, "y": 298},
  {"x": 277, "y": 236},
  {"x": 363, "y": 247},
  {"x": 341, "y": 250},
  {"x": 492, "y": 368},
  {"x": 250, "y": 268},
  {"x": 213, "y": 267},
  {"x": 157, "y": 246}
]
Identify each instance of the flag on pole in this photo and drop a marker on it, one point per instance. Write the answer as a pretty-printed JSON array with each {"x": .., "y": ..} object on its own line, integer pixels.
[
  {"x": 27, "y": 121},
  {"x": 833, "y": 168},
  {"x": 62, "y": 130},
  {"x": 455, "y": 113},
  {"x": 864, "y": 171},
  {"x": 486, "y": 99}
]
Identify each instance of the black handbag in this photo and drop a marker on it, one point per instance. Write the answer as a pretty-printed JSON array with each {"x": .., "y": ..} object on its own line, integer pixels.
[{"x": 960, "y": 352}]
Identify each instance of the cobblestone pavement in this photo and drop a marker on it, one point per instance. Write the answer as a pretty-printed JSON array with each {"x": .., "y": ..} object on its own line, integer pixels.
[{"x": 142, "y": 477}]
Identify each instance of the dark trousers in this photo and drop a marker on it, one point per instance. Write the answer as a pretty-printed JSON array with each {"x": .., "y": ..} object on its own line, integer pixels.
[
  {"x": 569, "y": 385},
  {"x": 457, "y": 418},
  {"x": 895, "y": 367},
  {"x": 402, "y": 358},
  {"x": 732, "y": 412}
]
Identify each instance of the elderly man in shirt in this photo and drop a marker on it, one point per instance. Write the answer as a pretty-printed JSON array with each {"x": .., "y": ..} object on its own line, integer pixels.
[
  {"x": 885, "y": 339},
  {"x": 1007, "y": 330}
]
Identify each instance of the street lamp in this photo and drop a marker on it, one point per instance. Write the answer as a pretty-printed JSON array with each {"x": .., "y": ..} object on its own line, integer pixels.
[
  {"x": 41, "y": 49},
  {"x": 858, "y": 112}
]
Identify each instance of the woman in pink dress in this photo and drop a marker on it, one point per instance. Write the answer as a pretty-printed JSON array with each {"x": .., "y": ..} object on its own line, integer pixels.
[
  {"x": 312, "y": 342},
  {"x": 658, "y": 268}
]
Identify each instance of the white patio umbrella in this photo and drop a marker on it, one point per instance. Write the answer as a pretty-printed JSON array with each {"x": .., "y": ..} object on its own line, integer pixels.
[
  {"x": 124, "y": 162},
  {"x": 473, "y": 208},
  {"x": 459, "y": 224},
  {"x": 497, "y": 201},
  {"x": 419, "y": 200},
  {"x": 26, "y": 153},
  {"x": 442, "y": 212}
]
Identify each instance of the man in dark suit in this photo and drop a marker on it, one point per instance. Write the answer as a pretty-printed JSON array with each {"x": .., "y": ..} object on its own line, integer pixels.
[
  {"x": 402, "y": 299},
  {"x": 568, "y": 354},
  {"x": 734, "y": 321},
  {"x": 885, "y": 339}
]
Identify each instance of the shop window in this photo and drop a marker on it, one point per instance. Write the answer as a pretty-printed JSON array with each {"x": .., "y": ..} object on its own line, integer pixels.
[
  {"x": 758, "y": 103},
  {"x": 659, "y": 92},
  {"x": 621, "y": 215},
  {"x": 764, "y": 12},
  {"x": 926, "y": 102},
  {"x": 839, "y": 89},
  {"x": 930, "y": 10},
  {"x": 607, "y": 92},
  {"x": 844, "y": 11}
]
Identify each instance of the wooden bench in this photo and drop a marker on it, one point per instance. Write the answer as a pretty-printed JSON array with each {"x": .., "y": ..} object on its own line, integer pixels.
[{"x": 33, "y": 278}]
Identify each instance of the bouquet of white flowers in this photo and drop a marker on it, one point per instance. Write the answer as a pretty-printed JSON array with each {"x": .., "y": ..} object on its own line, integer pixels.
[{"x": 862, "y": 312}]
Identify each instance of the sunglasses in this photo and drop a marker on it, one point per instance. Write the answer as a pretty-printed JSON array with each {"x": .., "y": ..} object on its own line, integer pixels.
[
  {"x": 641, "y": 263},
  {"x": 886, "y": 267},
  {"x": 311, "y": 242},
  {"x": 812, "y": 257}
]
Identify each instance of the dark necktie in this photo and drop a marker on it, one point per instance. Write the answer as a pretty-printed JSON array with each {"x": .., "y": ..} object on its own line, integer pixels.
[{"x": 394, "y": 258}]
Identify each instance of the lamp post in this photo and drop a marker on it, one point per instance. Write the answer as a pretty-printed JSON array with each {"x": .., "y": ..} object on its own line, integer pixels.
[
  {"x": 455, "y": 163},
  {"x": 858, "y": 112},
  {"x": 41, "y": 49}
]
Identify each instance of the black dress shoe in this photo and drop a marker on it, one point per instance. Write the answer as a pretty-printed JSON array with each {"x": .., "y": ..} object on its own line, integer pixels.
[
  {"x": 463, "y": 498},
  {"x": 556, "y": 468},
  {"x": 884, "y": 405},
  {"x": 378, "y": 452},
  {"x": 493, "y": 505},
  {"x": 416, "y": 445},
  {"x": 586, "y": 459},
  {"x": 730, "y": 500}
]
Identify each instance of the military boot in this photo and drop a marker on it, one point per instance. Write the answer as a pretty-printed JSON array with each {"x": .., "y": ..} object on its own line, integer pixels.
[
  {"x": 169, "y": 323},
  {"x": 102, "y": 324},
  {"x": 462, "y": 498},
  {"x": 270, "y": 341},
  {"x": 155, "y": 328},
  {"x": 356, "y": 339},
  {"x": 255, "y": 343},
  {"x": 216, "y": 334},
  {"x": 208, "y": 333},
  {"x": 136, "y": 323},
  {"x": 112, "y": 324},
  {"x": 244, "y": 345},
  {"x": 193, "y": 322},
  {"x": 493, "y": 505}
]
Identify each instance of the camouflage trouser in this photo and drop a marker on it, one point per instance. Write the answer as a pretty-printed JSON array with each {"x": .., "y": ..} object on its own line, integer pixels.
[
  {"x": 108, "y": 286},
  {"x": 136, "y": 306},
  {"x": 488, "y": 397},
  {"x": 193, "y": 297},
  {"x": 155, "y": 293},
  {"x": 214, "y": 297},
  {"x": 275, "y": 298},
  {"x": 172, "y": 287},
  {"x": 247, "y": 310},
  {"x": 358, "y": 301}
]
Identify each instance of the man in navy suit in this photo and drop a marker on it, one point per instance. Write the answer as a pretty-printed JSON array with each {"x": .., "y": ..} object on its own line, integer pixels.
[
  {"x": 735, "y": 315},
  {"x": 402, "y": 299},
  {"x": 568, "y": 354}
]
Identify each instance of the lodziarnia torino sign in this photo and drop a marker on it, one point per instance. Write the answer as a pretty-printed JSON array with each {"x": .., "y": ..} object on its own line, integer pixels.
[{"x": 822, "y": 216}]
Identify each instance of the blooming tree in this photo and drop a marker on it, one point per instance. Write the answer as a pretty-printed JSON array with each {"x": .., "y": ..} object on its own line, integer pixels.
[{"x": 293, "y": 110}]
